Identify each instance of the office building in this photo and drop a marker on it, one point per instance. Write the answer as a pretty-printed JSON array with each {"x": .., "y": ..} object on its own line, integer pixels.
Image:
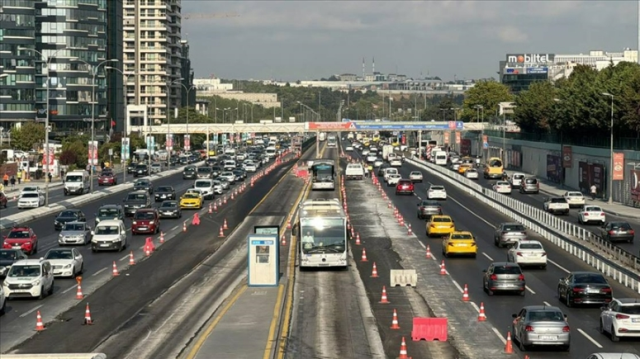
[
  {"x": 115, "y": 80},
  {"x": 152, "y": 55},
  {"x": 188, "y": 89}
]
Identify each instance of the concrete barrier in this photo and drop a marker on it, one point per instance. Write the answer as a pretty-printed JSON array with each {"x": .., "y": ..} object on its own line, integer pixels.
[{"x": 403, "y": 277}]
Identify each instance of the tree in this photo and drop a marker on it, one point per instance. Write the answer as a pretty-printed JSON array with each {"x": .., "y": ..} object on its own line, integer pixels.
[
  {"x": 536, "y": 108},
  {"x": 68, "y": 158},
  {"x": 487, "y": 94},
  {"x": 28, "y": 137}
]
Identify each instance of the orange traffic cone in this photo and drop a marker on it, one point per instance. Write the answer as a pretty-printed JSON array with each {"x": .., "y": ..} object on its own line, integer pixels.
[
  {"x": 428, "y": 252},
  {"x": 196, "y": 219},
  {"x": 465, "y": 295},
  {"x": 284, "y": 240},
  {"x": 132, "y": 260},
  {"x": 87, "y": 316},
  {"x": 39, "y": 323},
  {"x": 232, "y": 196},
  {"x": 210, "y": 208},
  {"x": 148, "y": 246},
  {"x": 364, "y": 256},
  {"x": 221, "y": 234},
  {"x": 508, "y": 348},
  {"x": 394, "y": 322},
  {"x": 161, "y": 237},
  {"x": 358, "y": 239},
  {"x": 115, "y": 270},
  {"x": 443, "y": 269},
  {"x": 224, "y": 200},
  {"x": 289, "y": 225},
  {"x": 384, "y": 299},
  {"x": 184, "y": 226},
  {"x": 481, "y": 316},
  {"x": 374, "y": 271},
  {"x": 215, "y": 207},
  {"x": 409, "y": 232},
  {"x": 403, "y": 350},
  {"x": 389, "y": 204},
  {"x": 224, "y": 225},
  {"x": 79, "y": 294}
]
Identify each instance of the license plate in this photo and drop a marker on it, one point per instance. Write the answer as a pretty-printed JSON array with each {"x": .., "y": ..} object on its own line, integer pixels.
[
  {"x": 635, "y": 320},
  {"x": 548, "y": 337},
  {"x": 164, "y": 196},
  {"x": 462, "y": 244},
  {"x": 142, "y": 228},
  {"x": 167, "y": 213},
  {"x": 593, "y": 291},
  {"x": 20, "y": 290},
  {"x": 104, "y": 245}
]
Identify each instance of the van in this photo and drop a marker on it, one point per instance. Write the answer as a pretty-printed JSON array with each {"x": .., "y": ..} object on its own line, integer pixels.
[
  {"x": 516, "y": 179},
  {"x": 354, "y": 171},
  {"x": 109, "y": 235},
  {"x": 440, "y": 158},
  {"x": 77, "y": 182},
  {"x": 270, "y": 152},
  {"x": 206, "y": 187},
  {"x": 31, "y": 278}
]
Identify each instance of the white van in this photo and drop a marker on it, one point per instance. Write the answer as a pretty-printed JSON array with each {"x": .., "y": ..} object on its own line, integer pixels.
[
  {"x": 440, "y": 158},
  {"x": 206, "y": 187},
  {"x": 354, "y": 171},
  {"x": 109, "y": 235},
  {"x": 270, "y": 152},
  {"x": 35, "y": 275},
  {"x": 77, "y": 182},
  {"x": 389, "y": 171}
]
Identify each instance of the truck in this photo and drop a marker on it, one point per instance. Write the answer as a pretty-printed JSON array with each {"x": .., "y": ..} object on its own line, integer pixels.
[
  {"x": 354, "y": 171},
  {"x": 386, "y": 150}
]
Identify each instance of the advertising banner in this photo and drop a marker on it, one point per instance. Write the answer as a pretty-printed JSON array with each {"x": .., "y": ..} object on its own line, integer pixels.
[
  {"x": 465, "y": 147},
  {"x": 618, "y": 166},
  {"x": 567, "y": 156},
  {"x": 151, "y": 145},
  {"x": 591, "y": 174},
  {"x": 404, "y": 138},
  {"x": 125, "y": 149},
  {"x": 485, "y": 141},
  {"x": 328, "y": 126},
  {"x": 223, "y": 138},
  {"x": 554, "y": 168},
  {"x": 635, "y": 185},
  {"x": 93, "y": 153},
  {"x": 458, "y": 137},
  {"x": 168, "y": 144},
  {"x": 446, "y": 138},
  {"x": 187, "y": 142},
  {"x": 48, "y": 155}
]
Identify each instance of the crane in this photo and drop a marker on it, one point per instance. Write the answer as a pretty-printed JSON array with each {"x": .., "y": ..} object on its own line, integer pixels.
[{"x": 215, "y": 15}]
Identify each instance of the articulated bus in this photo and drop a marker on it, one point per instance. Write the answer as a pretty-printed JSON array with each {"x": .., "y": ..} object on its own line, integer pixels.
[
  {"x": 323, "y": 175},
  {"x": 322, "y": 229},
  {"x": 493, "y": 168}
]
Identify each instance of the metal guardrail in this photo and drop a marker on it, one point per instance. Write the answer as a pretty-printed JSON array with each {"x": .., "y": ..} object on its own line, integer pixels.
[{"x": 582, "y": 243}]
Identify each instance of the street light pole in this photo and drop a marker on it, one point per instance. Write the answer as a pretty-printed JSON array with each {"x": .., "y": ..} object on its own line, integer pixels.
[
  {"x": 125, "y": 78},
  {"x": 610, "y": 201}
]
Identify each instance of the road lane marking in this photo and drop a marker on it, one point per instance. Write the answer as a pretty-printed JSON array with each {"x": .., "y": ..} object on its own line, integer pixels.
[
  {"x": 457, "y": 285},
  {"x": 98, "y": 272},
  {"x": 69, "y": 289},
  {"x": 558, "y": 265},
  {"x": 547, "y": 304},
  {"x": 504, "y": 341},
  {"x": 486, "y": 255},
  {"x": 123, "y": 258},
  {"x": 529, "y": 289},
  {"x": 589, "y": 338},
  {"x": 475, "y": 306},
  {"x": 31, "y": 311}
]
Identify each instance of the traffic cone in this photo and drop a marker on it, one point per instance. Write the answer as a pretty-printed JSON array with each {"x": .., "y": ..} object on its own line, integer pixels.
[
  {"x": 358, "y": 239},
  {"x": 403, "y": 350},
  {"x": 79, "y": 294},
  {"x": 210, "y": 209},
  {"x": 374, "y": 271},
  {"x": 389, "y": 204},
  {"x": 224, "y": 224},
  {"x": 508, "y": 348},
  {"x": 401, "y": 220},
  {"x": 428, "y": 252},
  {"x": 465, "y": 295},
  {"x": 409, "y": 232},
  {"x": 224, "y": 200},
  {"x": 215, "y": 207},
  {"x": 148, "y": 246},
  {"x": 221, "y": 234},
  {"x": 481, "y": 316},
  {"x": 196, "y": 219},
  {"x": 443, "y": 269},
  {"x": 289, "y": 224},
  {"x": 132, "y": 260},
  {"x": 39, "y": 323},
  {"x": 384, "y": 299},
  {"x": 284, "y": 240},
  {"x": 161, "y": 237},
  {"x": 114, "y": 271},
  {"x": 364, "y": 255},
  {"x": 394, "y": 322},
  {"x": 232, "y": 196},
  {"x": 87, "y": 316},
  {"x": 184, "y": 226}
]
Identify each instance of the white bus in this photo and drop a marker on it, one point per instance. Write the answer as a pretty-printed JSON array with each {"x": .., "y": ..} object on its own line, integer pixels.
[
  {"x": 322, "y": 229},
  {"x": 332, "y": 141},
  {"x": 323, "y": 175},
  {"x": 322, "y": 136}
]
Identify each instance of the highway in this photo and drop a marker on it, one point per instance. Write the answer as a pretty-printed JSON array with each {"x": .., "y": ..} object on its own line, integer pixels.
[
  {"x": 480, "y": 219},
  {"x": 114, "y": 300},
  {"x": 537, "y": 201}
]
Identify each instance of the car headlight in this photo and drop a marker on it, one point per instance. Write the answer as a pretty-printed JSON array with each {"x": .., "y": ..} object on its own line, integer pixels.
[
  {"x": 152, "y": 222},
  {"x": 67, "y": 266},
  {"x": 36, "y": 282}
]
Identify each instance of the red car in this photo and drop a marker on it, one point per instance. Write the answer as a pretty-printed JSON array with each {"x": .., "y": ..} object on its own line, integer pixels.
[
  {"x": 107, "y": 178},
  {"x": 22, "y": 238},
  {"x": 404, "y": 186},
  {"x": 146, "y": 220},
  {"x": 3, "y": 200}
]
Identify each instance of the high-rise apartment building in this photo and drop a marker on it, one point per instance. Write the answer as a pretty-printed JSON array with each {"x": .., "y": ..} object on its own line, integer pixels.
[
  {"x": 115, "y": 80},
  {"x": 153, "y": 55},
  {"x": 188, "y": 93}
]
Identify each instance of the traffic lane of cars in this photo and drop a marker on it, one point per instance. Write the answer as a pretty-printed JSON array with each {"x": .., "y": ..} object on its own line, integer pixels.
[
  {"x": 537, "y": 201},
  {"x": 542, "y": 284}
]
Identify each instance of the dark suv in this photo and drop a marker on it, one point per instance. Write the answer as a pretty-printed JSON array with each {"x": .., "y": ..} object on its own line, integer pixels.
[
  {"x": 530, "y": 185},
  {"x": 189, "y": 172},
  {"x": 136, "y": 200},
  {"x": 141, "y": 170}
]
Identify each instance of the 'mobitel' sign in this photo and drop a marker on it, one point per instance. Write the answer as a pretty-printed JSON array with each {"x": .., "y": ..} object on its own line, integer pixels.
[{"x": 530, "y": 58}]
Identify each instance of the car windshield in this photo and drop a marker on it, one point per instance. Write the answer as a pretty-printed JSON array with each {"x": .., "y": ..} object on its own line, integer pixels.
[
  {"x": 19, "y": 234},
  {"x": 74, "y": 227},
  {"x": 203, "y": 184},
  {"x": 507, "y": 270},
  {"x": 524, "y": 245},
  {"x": 502, "y": 183},
  {"x": 442, "y": 219},
  {"x": 141, "y": 183},
  {"x": 191, "y": 195},
  {"x": 73, "y": 178},
  {"x": 59, "y": 254},
  {"x": 461, "y": 236},
  {"x": 513, "y": 228},
  {"x": 136, "y": 197},
  {"x": 107, "y": 230},
  {"x": 574, "y": 194},
  {"x": 144, "y": 215},
  {"x": 168, "y": 204},
  {"x": 620, "y": 225},
  {"x": 106, "y": 173},
  {"x": 593, "y": 209},
  {"x": 24, "y": 271},
  {"x": 68, "y": 214},
  {"x": 437, "y": 188},
  {"x": 589, "y": 278},
  {"x": 7, "y": 255},
  {"x": 204, "y": 170},
  {"x": 430, "y": 204},
  {"x": 30, "y": 189},
  {"x": 546, "y": 316},
  {"x": 531, "y": 181},
  {"x": 165, "y": 189},
  {"x": 141, "y": 167},
  {"x": 105, "y": 212},
  {"x": 30, "y": 195},
  {"x": 189, "y": 169}
]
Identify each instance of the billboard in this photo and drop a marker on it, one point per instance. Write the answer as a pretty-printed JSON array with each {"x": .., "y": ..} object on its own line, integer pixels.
[
  {"x": 537, "y": 70},
  {"x": 591, "y": 174},
  {"x": 458, "y": 137},
  {"x": 634, "y": 175},
  {"x": 567, "y": 156},
  {"x": 618, "y": 166},
  {"x": 187, "y": 142},
  {"x": 125, "y": 148},
  {"x": 328, "y": 126},
  {"x": 465, "y": 147},
  {"x": 530, "y": 58},
  {"x": 554, "y": 168},
  {"x": 446, "y": 138},
  {"x": 168, "y": 143},
  {"x": 48, "y": 155}
]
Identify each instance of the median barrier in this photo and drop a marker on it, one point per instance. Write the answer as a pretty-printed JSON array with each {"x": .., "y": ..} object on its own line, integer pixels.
[{"x": 614, "y": 262}]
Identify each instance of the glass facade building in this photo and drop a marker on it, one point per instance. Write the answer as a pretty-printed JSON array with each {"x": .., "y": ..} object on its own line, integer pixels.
[
  {"x": 115, "y": 80},
  {"x": 187, "y": 98}
]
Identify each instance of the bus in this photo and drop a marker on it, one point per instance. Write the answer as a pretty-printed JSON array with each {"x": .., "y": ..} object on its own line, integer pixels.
[
  {"x": 493, "y": 168},
  {"x": 332, "y": 141},
  {"x": 376, "y": 137},
  {"x": 322, "y": 229},
  {"x": 323, "y": 175},
  {"x": 322, "y": 136},
  {"x": 209, "y": 147}
]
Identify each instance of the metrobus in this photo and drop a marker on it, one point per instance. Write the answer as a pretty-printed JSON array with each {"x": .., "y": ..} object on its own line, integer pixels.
[
  {"x": 332, "y": 141},
  {"x": 322, "y": 229},
  {"x": 322, "y": 136},
  {"x": 323, "y": 175},
  {"x": 210, "y": 147},
  {"x": 493, "y": 168}
]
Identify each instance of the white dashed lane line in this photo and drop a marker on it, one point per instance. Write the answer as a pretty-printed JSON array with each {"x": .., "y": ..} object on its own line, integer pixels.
[
  {"x": 98, "y": 272},
  {"x": 31, "y": 311},
  {"x": 589, "y": 338}
]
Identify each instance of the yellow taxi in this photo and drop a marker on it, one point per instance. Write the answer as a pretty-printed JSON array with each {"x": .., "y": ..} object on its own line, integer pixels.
[
  {"x": 459, "y": 243},
  {"x": 440, "y": 226},
  {"x": 191, "y": 200},
  {"x": 464, "y": 167}
]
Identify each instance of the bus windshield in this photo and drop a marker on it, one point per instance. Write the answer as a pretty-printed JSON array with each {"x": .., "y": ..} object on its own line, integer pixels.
[
  {"x": 321, "y": 235},
  {"x": 322, "y": 173}
]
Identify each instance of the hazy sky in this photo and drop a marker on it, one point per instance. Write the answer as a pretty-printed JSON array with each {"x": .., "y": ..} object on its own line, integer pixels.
[{"x": 304, "y": 40}]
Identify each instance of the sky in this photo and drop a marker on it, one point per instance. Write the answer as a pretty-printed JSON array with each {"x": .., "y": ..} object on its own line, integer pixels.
[{"x": 306, "y": 40}]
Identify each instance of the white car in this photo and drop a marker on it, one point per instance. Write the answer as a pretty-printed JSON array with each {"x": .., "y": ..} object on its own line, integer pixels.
[
  {"x": 249, "y": 166},
  {"x": 66, "y": 262},
  {"x": 396, "y": 162},
  {"x": 388, "y": 172},
  {"x": 30, "y": 189},
  {"x": 229, "y": 176},
  {"x": 591, "y": 214},
  {"x": 378, "y": 163},
  {"x": 503, "y": 187},
  {"x": 574, "y": 198},
  {"x": 349, "y": 148},
  {"x": 516, "y": 179},
  {"x": 621, "y": 318},
  {"x": 217, "y": 187},
  {"x": 31, "y": 200},
  {"x": 556, "y": 205},
  {"x": 528, "y": 253},
  {"x": 471, "y": 173},
  {"x": 436, "y": 192},
  {"x": 32, "y": 278},
  {"x": 3, "y": 301},
  {"x": 365, "y": 152},
  {"x": 416, "y": 176},
  {"x": 371, "y": 158},
  {"x": 393, "y": 179}
]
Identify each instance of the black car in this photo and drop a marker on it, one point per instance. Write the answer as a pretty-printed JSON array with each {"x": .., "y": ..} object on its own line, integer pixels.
[
  {"x": 183, "y": 160},
  {"x": 131, "y": 168},
  {"x": 141, "y": 170},
  {"x": 68, "y": 215},
  {"x": 163, "y": 193},
  {"x": 193, "y": 159},
  {"x": 173, "y": 160},
  {"x": 428, "y": 208},
  {"x": 210, "y": 162},
  {"x": 584, "y": 288},
  {"x": 215, "y": 171},
  {"x": 136, "y": 200},
  {"x": 240, "y": 175},
  {"x": 8, "y": 257},
  {"x": 189, "y": 172},
  {"x": 170, "y": 209},
  {"x": 143, "y": 185}
]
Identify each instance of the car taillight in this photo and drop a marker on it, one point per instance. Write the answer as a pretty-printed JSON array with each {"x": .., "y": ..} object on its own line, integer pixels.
[
  {"x": 519, "y": 254},
  {"x": 578, "y": 290},
  {"x": 521, "y": 277},
  {"x": 622, "y": 316},
  {"x": 451, "y": 244},
  {"x": 433, "y": 225},
  {"x": 606, "y": 290},
  {"x": 631, "y": 232},
  {"x": 586, "y": 213},
  {"x": 528, "y": 328},
  {"x": 544, "y": 254},
  {"x": 494, "y": 277},
  {"x": 612, "y": 232},
  {"x": 504, "y": 232},
  {"x": 566, "y": 329},
  {"x": 602, "y": 214}
]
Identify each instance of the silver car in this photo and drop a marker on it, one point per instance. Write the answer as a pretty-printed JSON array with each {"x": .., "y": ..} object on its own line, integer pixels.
[
  {"x": 509, "y": 233},
  {"x": 529, "y": 185},
  {"x": 503, "y": 277},
  {"x": 541, "y": 325},
  {"x": 75, "y": 233}
]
